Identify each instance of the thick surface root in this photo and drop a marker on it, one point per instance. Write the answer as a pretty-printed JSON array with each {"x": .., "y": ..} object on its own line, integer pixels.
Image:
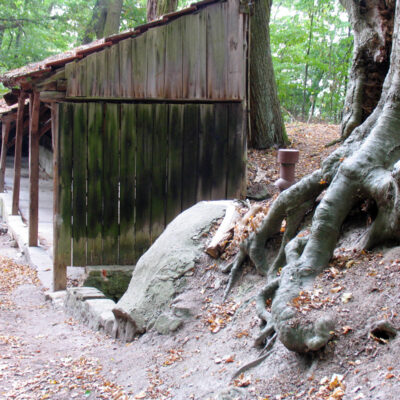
[{"x": 366, "y": 166}]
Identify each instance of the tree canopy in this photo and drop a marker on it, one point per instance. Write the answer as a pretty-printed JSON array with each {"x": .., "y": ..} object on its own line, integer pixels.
[{"x": 312, "y": 48}]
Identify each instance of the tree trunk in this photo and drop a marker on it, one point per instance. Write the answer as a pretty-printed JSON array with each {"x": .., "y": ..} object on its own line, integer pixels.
[
  {"x": 267, "y": 127},
  {"x": 156, "y": 8},
  {"x": 105, "y": 20},
  {"x": 365, "y": 167},
  {"x": 372, "y": 22}
]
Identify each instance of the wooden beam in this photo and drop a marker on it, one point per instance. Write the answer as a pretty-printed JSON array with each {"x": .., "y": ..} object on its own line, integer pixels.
[
  {"x": 18, "y": 150},
  {"x": 34, "y": 169},
  {"x": 49, "y": 96},
  {"x": 4, "y": 148},
  {"x": 59, "y": 267}
]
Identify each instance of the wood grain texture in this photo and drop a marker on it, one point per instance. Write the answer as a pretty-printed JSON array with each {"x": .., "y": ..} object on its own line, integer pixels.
[
  {"x": 79, "y": 154},
  {"x": 144, "y": 130},
  {"x": 125, "y": 62},
  {"x": 174, "y": 60},
  {"x": 63, "y": 191},
  {"x": 127, "y": 254},
  {"x": 159, "y": 169},
  {"x": 111, "y": 139},
  {"x": 5, "y": 131},
  {"x": 175, "y": 147},
  {"x": 190, "y": 156},
  {"x": 95, "y": 184},
  {"x": 139, "y": 67}
]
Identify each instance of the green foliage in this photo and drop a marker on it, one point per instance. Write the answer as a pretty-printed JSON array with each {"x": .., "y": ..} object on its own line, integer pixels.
[
  {"x": 311, "y": 50},
  {"x": 31, "y": 30}
]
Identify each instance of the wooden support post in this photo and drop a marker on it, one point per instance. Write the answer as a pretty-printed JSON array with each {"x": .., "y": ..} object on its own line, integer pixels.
[
  {"x": 34, "y": 168},
  {"x": 4, "y": 140},
  {"x": 18, "y": 150},
  {"x": 59, "y": 267}
]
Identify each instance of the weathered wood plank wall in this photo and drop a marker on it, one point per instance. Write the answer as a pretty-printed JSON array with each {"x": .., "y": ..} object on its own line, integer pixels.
[
  {"x": 200, "y": 56},
  {"x": 132, "y": 168}
]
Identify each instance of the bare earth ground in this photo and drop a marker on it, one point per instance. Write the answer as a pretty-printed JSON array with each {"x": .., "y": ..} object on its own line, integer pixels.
[{"x": 44, "y": 354}]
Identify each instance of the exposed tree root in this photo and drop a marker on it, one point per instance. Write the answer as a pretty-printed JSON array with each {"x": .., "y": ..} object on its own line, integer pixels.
[
  {"x": 263, "y": 355},
  {"x": 366, "y": 166}
]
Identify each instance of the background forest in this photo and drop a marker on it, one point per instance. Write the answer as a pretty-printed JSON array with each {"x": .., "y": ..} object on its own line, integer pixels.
[{"x": 310, "y": 39}]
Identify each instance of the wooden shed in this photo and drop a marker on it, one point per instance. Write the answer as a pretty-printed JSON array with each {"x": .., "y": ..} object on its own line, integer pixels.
[{"x": 144, "y": 124}]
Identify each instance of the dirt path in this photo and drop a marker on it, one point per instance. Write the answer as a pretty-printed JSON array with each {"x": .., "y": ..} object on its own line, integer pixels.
[{"x": 45, "y": 354}]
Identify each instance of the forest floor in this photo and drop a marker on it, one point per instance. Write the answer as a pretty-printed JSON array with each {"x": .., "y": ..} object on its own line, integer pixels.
[{"x": 45, "y": 354}]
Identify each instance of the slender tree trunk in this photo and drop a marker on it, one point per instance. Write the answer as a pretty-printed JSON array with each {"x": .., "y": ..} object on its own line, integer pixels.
[
  {"x": 305, "y": 81},
  {"x": 105, "y": 20},
  {"x": 372, "y": 22},
  {"x": 156, "y": 8},
  {"x": 267, "y": 127}
]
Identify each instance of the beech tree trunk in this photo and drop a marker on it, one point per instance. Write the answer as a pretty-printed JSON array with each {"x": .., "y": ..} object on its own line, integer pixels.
[
  {"x": 105, "y": 20},
  {"x": 365, "y": 167},
  {"x": 267, "y": 127},
  {"x": 372, "y": 23},
  {"x": 156, "y": 8}
]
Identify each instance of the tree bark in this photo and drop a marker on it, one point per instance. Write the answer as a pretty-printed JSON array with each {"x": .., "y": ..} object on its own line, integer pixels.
[
  {"x": 105, "y": 20},
  {"x": 267, "y": 127},
  {"x": 156, "y": 8},
  {"x": 372, "y": 22},
  {"x": 365, "y": 167}
]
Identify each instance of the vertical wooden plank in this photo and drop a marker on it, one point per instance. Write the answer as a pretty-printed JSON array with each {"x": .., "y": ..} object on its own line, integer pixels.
[
  {"x": 91, "y": 75},
  {"x": 94, "y": 185},
  {"x": 18, "y": 150},
  {"x": 112, "y": 81},
  {"x": 190, "y": 154},
  {"x": 72, "y": 81},
  {"x": 139, "y": 66},
  {"x": 62, "y": 117},
  {"x": 34, "y": 169},
  {"x": 155, "y": 51},
  {"x": 174, "y": 60},
  {"x": 217, "y": 51},
  {"x": 125, "y": 66},
  {"x": 127, "y": 253},
  {"x": 5, "y": 131},
  {"x": 237, "y": 152},
  {"x": 194, "y": 56},
  {"x": 82, "y": 74},
  {"x": 175, "y": 145},
  {"x": 144, "y": 127},
  {"x": 219, "y": 151},
  {"x": 236, "y": 80},
  {"x": 158, "y": 189},
  {"x": 206, "y": 141},
  {"x": 110, "y": 183},
  {"x": 102, "y": 73},
  {"x": 79, "y": 194}
]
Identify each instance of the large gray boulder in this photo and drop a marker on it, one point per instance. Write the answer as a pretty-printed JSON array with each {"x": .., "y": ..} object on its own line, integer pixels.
[{"x": 161, "y": 273}]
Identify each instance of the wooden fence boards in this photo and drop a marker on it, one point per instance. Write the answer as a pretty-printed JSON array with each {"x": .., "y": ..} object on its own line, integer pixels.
[
  {"x": 194, "y": 68},
  {"x": 79, "y": 184},
  {"x": 159, "y": 169},
  {"x": 175, "y": 147},
  {"x": 136, "y": 166},
  {"x": 139, "y": 67},
  {"x": 219, "y": 154},
  {"x": 95, "y": 184},
  {"x": 201, "y": 56},
  {"x": 127, "y": 181},
  {"x": 217, "y": 52},
  {"x": 63, "y": 225},
  {"x": 144, "y": 129},
  {"x": 125, "y": 64},
  {"x": 236, "y": 73},
  {"x": 237, "y": 146},
  {"x": 110, "y": 183},
  {"x": 174, "y": 60},
  {"x": 190, "y": 157}
]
